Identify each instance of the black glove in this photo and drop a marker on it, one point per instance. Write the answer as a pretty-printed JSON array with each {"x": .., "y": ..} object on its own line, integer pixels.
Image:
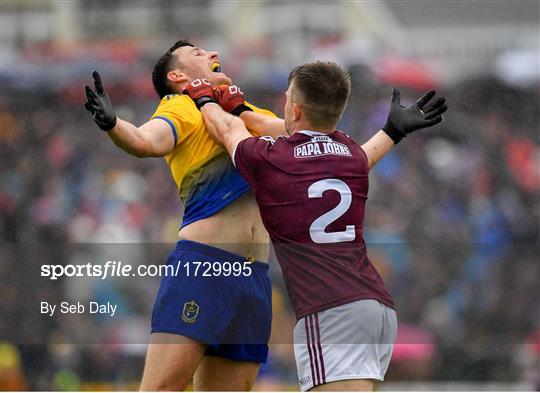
[
  {"x": 99, "y": 104},
  {"x": 404, "y": 120}
]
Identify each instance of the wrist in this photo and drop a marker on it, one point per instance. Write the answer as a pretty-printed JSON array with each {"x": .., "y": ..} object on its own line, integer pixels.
[
  {"x": 202, "y": 101},
  {"x": 240, "y": 109},
  {"x": 108, "y": 126},
  {"x": 394, "y": 134}
]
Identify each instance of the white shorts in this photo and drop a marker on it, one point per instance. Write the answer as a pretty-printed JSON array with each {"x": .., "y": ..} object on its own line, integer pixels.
[{"x": 351, "y": 341}]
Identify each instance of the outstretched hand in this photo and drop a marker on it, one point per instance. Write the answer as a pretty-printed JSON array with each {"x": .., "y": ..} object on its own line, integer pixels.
[
  {"x": 404, "y": 120},
  {"x": 99, "y": 104}
]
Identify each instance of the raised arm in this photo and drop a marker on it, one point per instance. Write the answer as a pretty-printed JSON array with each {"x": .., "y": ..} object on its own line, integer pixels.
[
  {"x": 152, "y": 139},
  {"x": 402, "y": 121},
  {"x": 225, "y": 128},
  {"x": 377, "y": 147},
  {"x": 263, "y": 124},
  {"x": 231, "y": 99}
]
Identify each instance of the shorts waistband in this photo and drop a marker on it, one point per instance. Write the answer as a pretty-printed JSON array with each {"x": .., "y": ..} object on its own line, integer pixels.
[{"x": 222, "y": 255}]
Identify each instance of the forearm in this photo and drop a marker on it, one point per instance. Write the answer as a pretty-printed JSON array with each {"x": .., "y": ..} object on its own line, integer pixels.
[
  {"x": 152, "y": 139},
  {"x": 377, "y": 147},
  {"x": 127, "y": 136},
  {"x": 217, "y": 121},
  {"x": 263, "y": 124},
  {"x": 226, "y": 129}
]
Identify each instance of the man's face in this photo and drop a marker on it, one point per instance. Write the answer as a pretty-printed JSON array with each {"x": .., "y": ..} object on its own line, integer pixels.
[{"x": 197, "y": 63}]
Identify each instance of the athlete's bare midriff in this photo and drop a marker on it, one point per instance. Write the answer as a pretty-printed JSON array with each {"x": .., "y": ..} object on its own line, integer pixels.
[{"x": 237, "y": 228}]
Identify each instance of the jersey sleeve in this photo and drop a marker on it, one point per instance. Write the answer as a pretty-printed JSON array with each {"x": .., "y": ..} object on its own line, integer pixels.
[
  {"x": 180, "y": 113},
  {"x": 250, "y": 157}
]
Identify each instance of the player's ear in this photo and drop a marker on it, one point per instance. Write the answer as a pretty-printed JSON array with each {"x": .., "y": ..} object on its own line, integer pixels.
[
  {"x": 296, "y": 111},
  {"x": 177, "y": 77}
]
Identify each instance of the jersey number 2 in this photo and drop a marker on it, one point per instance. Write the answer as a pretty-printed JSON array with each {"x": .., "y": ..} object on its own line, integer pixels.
[{"x": 317, "y": 228}]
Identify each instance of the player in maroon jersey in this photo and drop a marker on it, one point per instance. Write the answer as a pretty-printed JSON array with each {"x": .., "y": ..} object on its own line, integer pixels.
[{"x": 311, "y": 188}]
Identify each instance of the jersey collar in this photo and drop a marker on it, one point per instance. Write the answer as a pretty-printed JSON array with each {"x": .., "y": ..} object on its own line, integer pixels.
[{"x": 311, "y": 133}]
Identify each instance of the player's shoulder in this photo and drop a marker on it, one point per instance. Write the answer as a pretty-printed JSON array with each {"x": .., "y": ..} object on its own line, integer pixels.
[
  {"x": 345, "y": 138},
  {"x": 267, "y": 139},
  {"x": 279, "y": 143},
  {"x": 263, "y": 139},
  {"x": 354, "y": 147},
  {"x": 176, "y": 100},
  {"x": 257, "y": 143},
  {"x": 178, "y": 107},
  {"x": 342, "y": 134}
]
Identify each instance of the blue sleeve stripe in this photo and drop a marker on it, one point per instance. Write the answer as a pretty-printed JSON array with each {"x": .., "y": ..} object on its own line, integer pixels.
[{"x": 172, "y": 126}]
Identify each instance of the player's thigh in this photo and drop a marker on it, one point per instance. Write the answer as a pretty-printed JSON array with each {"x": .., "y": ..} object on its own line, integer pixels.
[
  {"x": 171, "y": 361},
  {"x": 217, "y": 373},
  {"x": 348, "y": 385},
  {"x": 341, "y": 344}
]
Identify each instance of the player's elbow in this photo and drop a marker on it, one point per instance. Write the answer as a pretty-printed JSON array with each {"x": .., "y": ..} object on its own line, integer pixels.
[
  {"x": 148, "y": 150},
  {"x": 139, "y": 153},
  {"x": 139, "y": 149},
  {"x": 145, "y": 146},
  {"x": 133, "y": 149}
]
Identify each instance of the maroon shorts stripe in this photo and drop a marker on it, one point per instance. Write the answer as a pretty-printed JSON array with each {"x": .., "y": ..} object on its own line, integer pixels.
[
  {"x": 314, "y": 348},
  {"x": 309, "y": 350},
  {"x": 320, "y": 348}
]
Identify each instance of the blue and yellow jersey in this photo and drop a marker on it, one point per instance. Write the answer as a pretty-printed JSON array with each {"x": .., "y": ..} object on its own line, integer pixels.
[{"x": 206, "y": 178}]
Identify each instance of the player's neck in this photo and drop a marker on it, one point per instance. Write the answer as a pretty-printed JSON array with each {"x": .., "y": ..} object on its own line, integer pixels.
[
  {"x": 180, "y": 87},
  {"x": 308, "y": 127}
]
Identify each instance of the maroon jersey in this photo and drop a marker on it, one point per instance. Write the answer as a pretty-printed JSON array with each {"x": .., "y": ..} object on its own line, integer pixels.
[{"x": 312, "y": 189}]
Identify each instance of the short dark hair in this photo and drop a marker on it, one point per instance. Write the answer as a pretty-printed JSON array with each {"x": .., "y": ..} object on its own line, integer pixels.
[
  {"x": 323, "y": 89},
  {"x": 162, "y": 68}
]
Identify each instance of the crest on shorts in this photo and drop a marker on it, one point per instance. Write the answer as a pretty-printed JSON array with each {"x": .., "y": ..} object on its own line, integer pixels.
[{"x": 190, "y": 312}]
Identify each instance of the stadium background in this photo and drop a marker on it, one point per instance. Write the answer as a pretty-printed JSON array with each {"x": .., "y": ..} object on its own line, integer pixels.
[{"x": 453, "y": 213}]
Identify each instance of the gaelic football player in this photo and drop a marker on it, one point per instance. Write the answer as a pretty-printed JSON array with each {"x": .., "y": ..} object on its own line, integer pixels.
[
  {"x": 214, "y": 329},
  {"x": 311, "y": 189}
]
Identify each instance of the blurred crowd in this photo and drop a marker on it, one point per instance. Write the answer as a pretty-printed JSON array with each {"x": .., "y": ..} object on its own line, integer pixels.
[{"x": 452, "y": 224}]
